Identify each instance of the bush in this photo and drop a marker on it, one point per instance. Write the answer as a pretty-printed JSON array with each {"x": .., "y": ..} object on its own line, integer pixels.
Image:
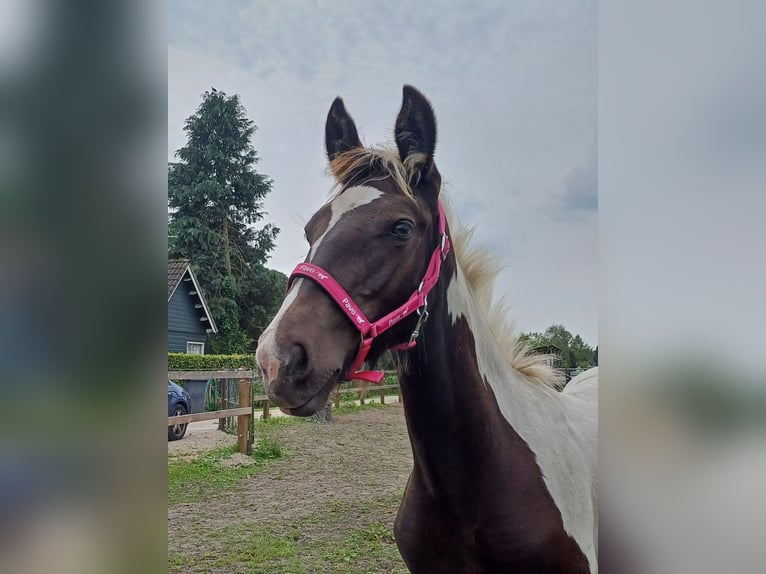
[{"x": 184, "y": 362}]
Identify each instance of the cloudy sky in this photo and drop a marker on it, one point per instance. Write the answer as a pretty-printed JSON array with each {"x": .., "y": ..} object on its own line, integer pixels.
[{"x": 514, "y": 88}]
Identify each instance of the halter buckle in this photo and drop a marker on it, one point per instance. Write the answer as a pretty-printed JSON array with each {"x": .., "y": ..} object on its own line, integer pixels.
[{"x": 422, "y": 318}]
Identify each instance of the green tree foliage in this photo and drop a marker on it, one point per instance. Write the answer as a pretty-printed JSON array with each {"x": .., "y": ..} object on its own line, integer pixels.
[
  {"x": 260, "y": 299},
  {"x": 215, "y": 198},
  {"x": 574, "y": 351}
]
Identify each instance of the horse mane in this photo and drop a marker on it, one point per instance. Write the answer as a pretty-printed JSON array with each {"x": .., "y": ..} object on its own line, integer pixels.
[
  {"x": 481, "y": 269},
  {"x": 364, "y": 163},
  {"x": 478, "y": 265}
]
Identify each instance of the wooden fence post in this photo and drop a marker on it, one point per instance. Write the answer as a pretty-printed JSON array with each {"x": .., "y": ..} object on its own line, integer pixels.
[
  {"x": 383, "y": 396},
  {"x": 222, "y": 399},
  {"x": 337, "y": 399},
  {"x": 243, "y": 421},
  {"x": 266, "y": 413}
]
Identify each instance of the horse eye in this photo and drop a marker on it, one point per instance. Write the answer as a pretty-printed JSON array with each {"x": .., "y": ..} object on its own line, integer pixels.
[{"x": 402, "y": 229}]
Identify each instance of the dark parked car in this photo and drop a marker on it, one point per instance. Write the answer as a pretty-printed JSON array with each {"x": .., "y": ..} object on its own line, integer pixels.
[{"x": 179, "y": 403}]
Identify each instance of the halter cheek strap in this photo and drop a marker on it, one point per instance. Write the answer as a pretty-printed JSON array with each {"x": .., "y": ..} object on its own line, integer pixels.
[{"x": 417, "y": 303}]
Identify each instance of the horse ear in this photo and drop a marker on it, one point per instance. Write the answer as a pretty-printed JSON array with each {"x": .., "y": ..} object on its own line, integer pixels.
[
  {"x": 415, "y": 131},
  {"x": 340, "y": 131}
]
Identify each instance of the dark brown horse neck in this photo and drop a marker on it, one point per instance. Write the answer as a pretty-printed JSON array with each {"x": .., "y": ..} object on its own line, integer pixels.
[
  {"x": 476, "y": 500},
  {"x": 452, "y": 416}
]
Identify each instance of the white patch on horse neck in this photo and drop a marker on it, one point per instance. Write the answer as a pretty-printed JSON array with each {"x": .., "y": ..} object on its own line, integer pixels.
[
  {"x": 267, "y": 354},
  {"x": 350, "y": 199},
  {"x": 559, "y": 428}
]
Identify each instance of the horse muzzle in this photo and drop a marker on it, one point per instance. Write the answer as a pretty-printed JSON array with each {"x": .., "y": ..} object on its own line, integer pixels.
[{"x": 291, "y": 380}]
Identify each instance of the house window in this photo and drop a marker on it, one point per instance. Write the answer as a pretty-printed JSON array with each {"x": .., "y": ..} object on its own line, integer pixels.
[{"x": 195, "y": 348}]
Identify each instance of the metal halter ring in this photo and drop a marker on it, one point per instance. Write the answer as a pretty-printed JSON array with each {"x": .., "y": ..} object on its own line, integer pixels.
[{"x": 422, "y": 318}]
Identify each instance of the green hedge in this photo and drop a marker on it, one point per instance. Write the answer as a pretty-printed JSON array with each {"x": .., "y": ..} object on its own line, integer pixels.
[{"x": 184, "y": 362}]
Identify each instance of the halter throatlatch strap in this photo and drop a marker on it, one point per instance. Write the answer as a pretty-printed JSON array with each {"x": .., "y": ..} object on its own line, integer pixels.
[{"x": 417, "y": 303}]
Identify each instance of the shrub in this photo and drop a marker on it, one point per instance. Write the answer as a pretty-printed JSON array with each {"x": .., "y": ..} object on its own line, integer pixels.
[{"x": 184, "y": 362}]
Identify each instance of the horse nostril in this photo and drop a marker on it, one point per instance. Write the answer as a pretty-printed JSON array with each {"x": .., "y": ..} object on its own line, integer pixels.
[{"x": 299, "y": 358}]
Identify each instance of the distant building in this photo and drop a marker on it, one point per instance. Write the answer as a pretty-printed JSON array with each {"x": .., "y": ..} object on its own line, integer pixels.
[
  {"x": 189, "y": 318},
  {"x": 554, "y": 352},
  {"x": 189, "y": 322}
]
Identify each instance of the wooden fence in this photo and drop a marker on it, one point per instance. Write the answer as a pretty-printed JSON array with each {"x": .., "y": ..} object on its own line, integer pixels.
[
  {"x": 363, "y": 390},
  {"x": 244, "y": 414}
]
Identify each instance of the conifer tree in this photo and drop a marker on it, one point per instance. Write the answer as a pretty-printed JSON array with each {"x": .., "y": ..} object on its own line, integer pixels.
[{"x": 215, "y": 198}]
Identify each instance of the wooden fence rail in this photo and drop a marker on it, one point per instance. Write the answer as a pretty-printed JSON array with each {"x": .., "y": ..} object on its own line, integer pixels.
[
  {"x": 244, "y": 414},
  {"x": 208, "y": 416},
  {"x": 363, "y": 393}
]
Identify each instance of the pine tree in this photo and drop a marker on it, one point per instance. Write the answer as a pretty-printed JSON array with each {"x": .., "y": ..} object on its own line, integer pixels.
[{"x": 215, "y": 196}]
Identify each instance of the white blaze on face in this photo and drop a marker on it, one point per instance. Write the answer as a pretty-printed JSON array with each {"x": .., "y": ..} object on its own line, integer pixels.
[
  {"x": 552, "y": 425},
  {"x": 268, "y": 355},
  {"x": 350, "y": 199}
]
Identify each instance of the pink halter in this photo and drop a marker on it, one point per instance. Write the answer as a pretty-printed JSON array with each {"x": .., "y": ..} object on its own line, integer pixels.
[{"x": 418, "y": 302}]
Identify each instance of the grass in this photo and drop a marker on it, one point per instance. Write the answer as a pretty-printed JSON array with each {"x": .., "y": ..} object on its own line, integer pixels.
[
  {"x": 346, "y": 408},
  {"x": 205, "y": 477},
  {"x": 252, "y": 550},
  {"x": 364, "y": 550},
  {"x": 246, "y": 545},
  {"x": 267, "y": 448},
  {"x": 350, "y": 537}
]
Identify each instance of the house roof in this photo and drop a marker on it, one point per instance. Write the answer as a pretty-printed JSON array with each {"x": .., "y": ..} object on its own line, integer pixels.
[{"x": 177, "y": 270}]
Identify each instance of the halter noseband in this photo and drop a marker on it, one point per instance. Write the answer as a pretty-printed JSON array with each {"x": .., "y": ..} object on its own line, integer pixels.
[{"x": 417, "y": 302}]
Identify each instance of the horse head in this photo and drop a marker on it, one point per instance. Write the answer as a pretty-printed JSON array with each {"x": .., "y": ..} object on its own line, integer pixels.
[{"x": 373, "y": 241}]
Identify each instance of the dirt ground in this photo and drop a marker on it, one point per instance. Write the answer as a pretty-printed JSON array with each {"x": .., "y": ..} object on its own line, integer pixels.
[
  {"x": 358, "y": 458},
  {"x": 199, "y": 437}
]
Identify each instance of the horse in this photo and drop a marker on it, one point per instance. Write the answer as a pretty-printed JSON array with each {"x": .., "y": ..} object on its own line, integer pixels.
[{"x": 504, "y": 460}]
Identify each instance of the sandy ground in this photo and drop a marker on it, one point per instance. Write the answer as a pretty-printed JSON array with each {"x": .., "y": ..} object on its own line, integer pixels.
[
  {"x": 358, "y": 456},
  {"x": 199, "y": 437}
]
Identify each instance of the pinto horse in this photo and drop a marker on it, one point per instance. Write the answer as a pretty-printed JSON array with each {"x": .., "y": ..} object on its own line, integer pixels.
[{"x": 505, "y": 463}]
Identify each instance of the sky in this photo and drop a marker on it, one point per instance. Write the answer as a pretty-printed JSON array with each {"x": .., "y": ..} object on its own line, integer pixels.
[{"x": 514, "y": 89}]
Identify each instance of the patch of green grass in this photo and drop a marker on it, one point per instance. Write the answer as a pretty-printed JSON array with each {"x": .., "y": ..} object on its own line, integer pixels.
[
  {"x": 368, "y": 549},
  {"x": 267, "y": 448},
  {"x": 205, "y": 477},
  {"x": 375, "y": 533},
  {"x": 353, "y": 537},
  {"x": 363, "y": 550},
  {"x": 346, "y": 408},
  {"x": 249, "y": 546},
  {"x": 253, "y": 548},
  {"x": 178, "y": 562}
]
